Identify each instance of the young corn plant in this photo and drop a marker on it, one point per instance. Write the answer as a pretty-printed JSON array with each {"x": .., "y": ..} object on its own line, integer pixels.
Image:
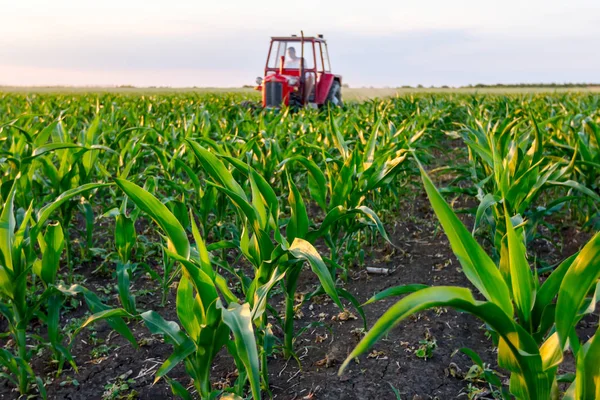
[
  {"x": 22, "y": 298},
  {"x": 511, "y": 171},
  {"x": 273, "y": 261},
  {"x": 532, "y": 329},
  {"x": 51, "y": 162},
  {"x": 125, "y": 237},
  {"x": 341, "y": 191},
  {"x": 581, "y": 141},
  {"x": 201, "y": 294}
]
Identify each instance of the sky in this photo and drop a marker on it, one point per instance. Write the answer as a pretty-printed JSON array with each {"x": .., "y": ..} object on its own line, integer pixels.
[{"x": 224, "y": 43}]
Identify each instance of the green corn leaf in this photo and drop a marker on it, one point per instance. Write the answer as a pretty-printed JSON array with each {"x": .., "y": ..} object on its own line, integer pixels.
[
  {"x": 488, "y": 201},
  {"x": 91, "y": 137},
  {"x": 395, "y": 291},
  {"x": 7, "y": 232},
  {"x": 246, "y": 208},
  {"x": 303, "y": 250},
  {"x": 239, "y": 319},
  {"x": 88, "y": 212},
  {"x": 54, "y": 244},
  {"x": 355, "y": 303},
  {"x": 44, "y": 213},
  {"x": 222, "y": 284},
  {"x": 97, "y": 307},
  {"x": 56, "y": 146},
  {"x": 472, "y": 355},
  {"x": 267, "y": 193},
  {"x": 380, "y": 175},
  {"x": 203, "y": 283},
  {"x": 178, "y": 240},
  {"x": 369, "y": 155},
  {"x": 203, "y": 256},
  {"x": 178, "y": 389},
  {"x": 190, "y": 173},
  {"x": 317, "y": 183},
  {"x": 551, "y": 352},
  {"x": 7, "y": 239},
  {"x": 579, "y": 187},
  {"x": 265, "y": 190},
  {"x": 261, "y": 294},
  {"x": 338, "y": 213},
  {"x": 123, "y": 286},
  {"x": 180, "y": 353},
  {"x": 259, "y": 204},
  {"x": 298, "y": 224},
  {"x": 549, "y": 290},
  {"x": 125, "y": 236},
  {"x": 520, "y": 273},
  {"x": 371, "y": 215},
  {"x": 477, "y": 265},
  {"x": 216, "y": 169},
  {"x": 54, "y": 305},
  {"x": 101, "y": 316},
  {"x": 185, "y": 309},
  {"x": 179, "y": 210},
  {"x": 183, "y": 346},
  {"x": 587, "y": 378},
  {"x": 42, "y": 137},
  {"x": 344, "y": 183},
  {"x": 337, "y": 137},
  {"x": 334, "y": 215},
  {"x": 577, "y": 282},
  {"x": 41, "y": 388}
]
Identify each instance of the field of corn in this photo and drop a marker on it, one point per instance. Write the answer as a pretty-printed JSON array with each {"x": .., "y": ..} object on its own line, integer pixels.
[{"x": 181, "y": 246}]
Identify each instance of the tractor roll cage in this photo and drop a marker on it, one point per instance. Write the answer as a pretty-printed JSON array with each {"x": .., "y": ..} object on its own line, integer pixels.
[{"x": 315, "y": 41}]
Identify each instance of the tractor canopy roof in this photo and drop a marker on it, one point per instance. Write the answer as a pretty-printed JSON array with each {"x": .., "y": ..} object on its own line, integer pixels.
[{"x": 298, "y": 38}]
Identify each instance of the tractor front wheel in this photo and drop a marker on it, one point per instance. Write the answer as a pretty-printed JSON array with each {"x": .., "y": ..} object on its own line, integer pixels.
[{"x": 335, "y": 95}]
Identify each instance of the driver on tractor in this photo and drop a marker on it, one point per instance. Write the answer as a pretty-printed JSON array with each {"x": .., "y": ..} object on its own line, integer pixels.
[{"x": 292, "y": 61}]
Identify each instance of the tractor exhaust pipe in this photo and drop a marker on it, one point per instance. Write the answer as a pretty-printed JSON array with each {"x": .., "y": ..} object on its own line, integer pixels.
[{"x": 302, "y": 85}]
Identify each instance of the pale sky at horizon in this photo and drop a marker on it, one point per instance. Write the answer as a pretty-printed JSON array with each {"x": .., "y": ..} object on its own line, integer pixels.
[{"x": 224, "y": 43}]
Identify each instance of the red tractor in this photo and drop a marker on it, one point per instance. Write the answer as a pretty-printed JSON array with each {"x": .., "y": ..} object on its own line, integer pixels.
[{"x": 298, "y": 74}]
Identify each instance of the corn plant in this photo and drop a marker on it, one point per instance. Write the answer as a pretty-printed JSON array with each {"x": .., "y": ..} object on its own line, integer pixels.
[
  {"x": 531, "y": 346},
  {"x": 125, "y": 237},
  {"x": 260, "y": 220},
  {"x": 580, "y": 140},
  {"x": 20, "y": 300},
  {"x": 52, "y": 162},
  {"x": 511, "y": 166},
  {"x": 207, "y": 322},
  {"x": 341, "y": 191}
]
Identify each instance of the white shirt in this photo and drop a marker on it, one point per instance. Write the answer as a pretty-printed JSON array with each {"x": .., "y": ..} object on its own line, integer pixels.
[{"x": 292, "y": 64}]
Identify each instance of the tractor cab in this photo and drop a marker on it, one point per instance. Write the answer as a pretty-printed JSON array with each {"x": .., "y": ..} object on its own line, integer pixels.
[{"x": 298, "y": 73}]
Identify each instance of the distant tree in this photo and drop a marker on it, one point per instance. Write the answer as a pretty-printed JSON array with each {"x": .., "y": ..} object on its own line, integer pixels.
[{"x": 533, "y": 85}]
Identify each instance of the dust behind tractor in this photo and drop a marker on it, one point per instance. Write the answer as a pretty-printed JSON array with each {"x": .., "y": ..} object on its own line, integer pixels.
[{"x": 298, "y": 73}]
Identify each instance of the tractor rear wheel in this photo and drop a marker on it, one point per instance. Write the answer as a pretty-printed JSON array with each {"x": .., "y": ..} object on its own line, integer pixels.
[
  {"x": 335, "y": 95},
  {"x": 252, "y": 105}
]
